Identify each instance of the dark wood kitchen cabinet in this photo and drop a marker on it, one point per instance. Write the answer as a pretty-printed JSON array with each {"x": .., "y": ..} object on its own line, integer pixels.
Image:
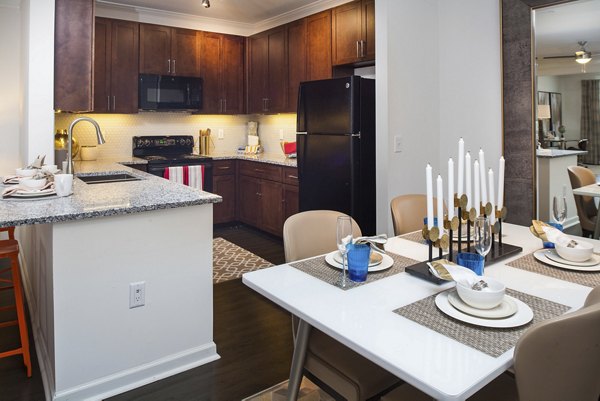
[
  {"x": 318, "y": 46},
  {"x": 267, "y": 71},
  {"x": 169, "y": 51},
  {"x": 353, "y": 32},
  {"x": 290, "y": 192},
  {"x": 222, "y": 70},
  {"x": 73, "y": 55},
  {"x": 249, "y": 201},
  {"x": 224, "y": 185},
  {"x": 116, "y": 66},
  {"x": 296, "y": 54}
]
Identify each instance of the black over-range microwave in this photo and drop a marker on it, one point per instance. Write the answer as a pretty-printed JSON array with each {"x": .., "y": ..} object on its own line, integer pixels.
[{"x": 165, "y": 92}]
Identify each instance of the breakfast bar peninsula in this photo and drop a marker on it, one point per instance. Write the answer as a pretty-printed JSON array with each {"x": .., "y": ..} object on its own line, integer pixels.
[{"x": 81, "y": 256}]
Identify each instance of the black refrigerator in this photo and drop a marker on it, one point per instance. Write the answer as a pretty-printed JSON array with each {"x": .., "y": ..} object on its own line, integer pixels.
[{"x": 336, "y": 148}]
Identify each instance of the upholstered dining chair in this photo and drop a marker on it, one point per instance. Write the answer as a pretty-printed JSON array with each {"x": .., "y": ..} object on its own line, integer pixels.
[
  {"x": 555, "y": 360},
  {"x": 586, "y": 207},
  {"x": 329, "y": 363},
  {"x": 408, "y": 212}
]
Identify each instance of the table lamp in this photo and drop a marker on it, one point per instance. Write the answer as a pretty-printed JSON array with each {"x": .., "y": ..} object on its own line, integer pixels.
[{"x": 543, "y": 113}]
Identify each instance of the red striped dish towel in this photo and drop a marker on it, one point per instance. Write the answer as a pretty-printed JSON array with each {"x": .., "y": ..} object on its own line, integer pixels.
[{"x": 192, "y": 176}]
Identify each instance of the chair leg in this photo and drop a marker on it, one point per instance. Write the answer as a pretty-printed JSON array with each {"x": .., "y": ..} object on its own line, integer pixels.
[{"x": 21, "y": 313}]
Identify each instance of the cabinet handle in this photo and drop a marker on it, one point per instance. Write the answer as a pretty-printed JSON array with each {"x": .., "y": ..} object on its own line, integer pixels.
[
  {"x": 225, "y": 105},
  {"x": 223, "y": 168},
  {"x": 259, "y": 170},
  {"x": 174, "y": 66},
  {"x": 292, "y": 176},
  {"x": 114, "y": 103},
  {"x": 258, "y": 194},
  {"x": 108, "y": 102},
  {"x": 169, "y": 65},
  {"x": 357, "y": 49}
]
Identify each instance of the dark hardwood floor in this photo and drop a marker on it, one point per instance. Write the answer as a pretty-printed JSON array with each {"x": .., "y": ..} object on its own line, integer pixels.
[{"x": 253, "y": 338}]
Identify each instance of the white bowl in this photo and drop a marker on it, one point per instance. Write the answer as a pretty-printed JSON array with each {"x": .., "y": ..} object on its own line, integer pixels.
[
  {"x": 32, "y": 183},
  {"x": 50, "y": 168},
  {"x": 580, "y": 253},
  {"x": 26, "y": 172},
  {"x": 487, "y": 298}
]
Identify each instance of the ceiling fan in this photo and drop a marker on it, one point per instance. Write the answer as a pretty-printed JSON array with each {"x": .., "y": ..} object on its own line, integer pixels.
[{"x": 581, "y": 56}]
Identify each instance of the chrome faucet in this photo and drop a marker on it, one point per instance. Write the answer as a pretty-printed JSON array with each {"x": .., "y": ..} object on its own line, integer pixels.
[{"x": 99, "y": 136}]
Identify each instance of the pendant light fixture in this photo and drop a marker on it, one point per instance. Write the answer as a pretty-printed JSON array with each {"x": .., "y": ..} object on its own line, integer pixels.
[{"x": 583, "y": 56}]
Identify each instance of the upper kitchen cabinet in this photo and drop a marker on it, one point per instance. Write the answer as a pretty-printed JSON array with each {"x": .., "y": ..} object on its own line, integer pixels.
[
  {"x": 353, "y": 33},
  {"x": 318, "y": 46},
  {"x": 73, "y": 55},
  {"x": 116, "y": 66},
  {"x": 222, "y": 71},
  {"x": 169, "y": 51},
  {"x": 296, "y": 53},
  {"x": 267, "y": 71}
]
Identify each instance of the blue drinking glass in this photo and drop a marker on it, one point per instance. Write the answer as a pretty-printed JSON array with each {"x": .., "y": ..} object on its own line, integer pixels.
[
  {"x": 358, "y": 261},
  {"x": 472, "y": 261}
]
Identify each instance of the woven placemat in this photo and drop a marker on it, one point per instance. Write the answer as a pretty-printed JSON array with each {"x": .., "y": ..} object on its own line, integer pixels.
[
  {"x": 491, "y": 341},
  {"x": 531, "y": 264},
  {"x": 418, "y": 238},
  {"x": 317, "y": 267}
]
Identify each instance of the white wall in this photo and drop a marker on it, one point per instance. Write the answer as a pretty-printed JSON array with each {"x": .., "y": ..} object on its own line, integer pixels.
[
  {"x": 548, "y": 83},
  {"x": 9, "y": 101},
  {"x": 431, "y": 91}
]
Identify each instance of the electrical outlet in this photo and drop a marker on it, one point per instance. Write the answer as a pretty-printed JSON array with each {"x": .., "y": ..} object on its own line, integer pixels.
[
  {"x": 221, "y": 134},
  {"x": 398, "y": 143},
  {"x": 137, "y": 294},
  {"x": 281, "y": 134}
]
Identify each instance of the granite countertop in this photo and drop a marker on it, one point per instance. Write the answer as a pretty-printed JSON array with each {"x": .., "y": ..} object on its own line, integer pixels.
[
  {"x": 558, "y": 152},
  {"x": 99, "y": 200},
  {"x": 270, "y": 158}
]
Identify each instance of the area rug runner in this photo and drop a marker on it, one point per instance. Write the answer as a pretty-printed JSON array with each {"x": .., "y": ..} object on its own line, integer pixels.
[
  {"x": 308, "y": 392},
  {"x": 231, "y": 261}
]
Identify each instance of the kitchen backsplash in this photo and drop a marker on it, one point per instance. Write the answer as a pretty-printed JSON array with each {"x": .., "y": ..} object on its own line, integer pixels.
[{"x": 118, "y": 129}]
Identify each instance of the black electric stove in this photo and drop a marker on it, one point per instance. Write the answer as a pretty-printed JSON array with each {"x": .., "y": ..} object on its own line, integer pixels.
[{"x": 162, "y": 152}]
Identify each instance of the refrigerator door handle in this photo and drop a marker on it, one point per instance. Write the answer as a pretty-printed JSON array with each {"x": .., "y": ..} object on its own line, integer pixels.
[
  {"x": 301, "y": 133},
  {"x": 356, "y": 135}
]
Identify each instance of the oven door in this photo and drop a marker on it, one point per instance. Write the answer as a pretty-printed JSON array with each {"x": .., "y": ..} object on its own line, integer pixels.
[{"x": 158, "y": 169}]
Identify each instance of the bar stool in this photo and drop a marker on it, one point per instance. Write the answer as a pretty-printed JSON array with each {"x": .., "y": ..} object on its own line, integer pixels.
[{"x": 10, "y": 249}]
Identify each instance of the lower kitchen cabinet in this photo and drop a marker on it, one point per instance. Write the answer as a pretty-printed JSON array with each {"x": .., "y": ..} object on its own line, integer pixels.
[
  {"x": 271, "y": 207},
  {"x": 224, "y": 186},
  {"x": 291, "y": 204},
  {"x": 249, "y": 201}
]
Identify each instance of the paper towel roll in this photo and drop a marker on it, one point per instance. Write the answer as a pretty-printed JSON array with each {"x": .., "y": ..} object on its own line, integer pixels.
[{"x": 252, "y": 140}]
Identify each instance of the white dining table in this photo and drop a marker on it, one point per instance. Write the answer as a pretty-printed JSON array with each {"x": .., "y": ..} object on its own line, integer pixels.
[
  {"x": 590, "y": 190},
  {"x": 362, "y": 318}
]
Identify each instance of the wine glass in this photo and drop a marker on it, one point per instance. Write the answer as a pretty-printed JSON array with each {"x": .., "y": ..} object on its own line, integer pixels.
[
  {"x": 482, "y": 235},
  {"x": 559, "y": 209},
  {"x": 344, "y": 236}
]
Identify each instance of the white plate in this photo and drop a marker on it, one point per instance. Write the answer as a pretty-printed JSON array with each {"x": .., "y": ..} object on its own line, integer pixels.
[
  {"x": 386, "y": 263},
  {"x": 523, "y": 315},
  {"x": 338, "y": 258},
  {"x": 540, "y": 255},
  {"x": 33, "y": 194},
  {"x": 553, "y": 255},
  {"x": 507, "y": 308}
]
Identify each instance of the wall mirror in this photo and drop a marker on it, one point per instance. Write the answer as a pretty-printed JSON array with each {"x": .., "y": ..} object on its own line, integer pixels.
[{"x": 538, "y": 47}]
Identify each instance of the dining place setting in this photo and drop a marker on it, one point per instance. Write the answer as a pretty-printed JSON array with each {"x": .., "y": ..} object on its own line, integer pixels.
[{"x": 36, "y": 181}]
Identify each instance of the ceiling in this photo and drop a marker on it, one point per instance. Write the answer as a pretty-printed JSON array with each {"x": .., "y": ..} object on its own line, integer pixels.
[
  {"x": 558, "y": 29},
  {"x": 240, "y": 11}
]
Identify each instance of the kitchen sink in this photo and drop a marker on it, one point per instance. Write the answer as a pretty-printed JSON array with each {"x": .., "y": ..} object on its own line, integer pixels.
[{"x": 108, "y": 178}]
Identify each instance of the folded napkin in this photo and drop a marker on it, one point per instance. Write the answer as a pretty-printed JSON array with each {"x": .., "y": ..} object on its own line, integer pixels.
[
  {"x": 38, "y": 162},
  {"x": 547, "y": 233},
  {"x": 12, "y": 190},
  {"x": 449, "y": 271},
  {"x": 372, "y": 241},
  {"x": 10, "y": 179}
]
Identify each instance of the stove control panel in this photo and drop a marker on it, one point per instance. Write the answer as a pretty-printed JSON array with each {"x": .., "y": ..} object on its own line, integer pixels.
[{"x": 149, "y": 142}]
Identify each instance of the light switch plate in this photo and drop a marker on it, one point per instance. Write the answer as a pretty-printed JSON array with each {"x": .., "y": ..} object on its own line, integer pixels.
[
  {"x": 281, "y": 134},
  {"x": 221, "y": 134},
  {"x": 398, "y": 143}
]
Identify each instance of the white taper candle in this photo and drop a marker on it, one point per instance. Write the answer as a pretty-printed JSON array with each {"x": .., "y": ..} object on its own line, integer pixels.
[
  {"x": 429, "y": 196},
  {"x": 450, "y": 189},
  {"x": 482, "y": 173},
  {"x": 468, "y": 180},
  {"x": 501, "y": 183},
  {"x": 491, "y": 183},
  {"x": 461, "y": 155},
  {"x": 440, "y": 203},
  {"x": 477, "y": 183}
]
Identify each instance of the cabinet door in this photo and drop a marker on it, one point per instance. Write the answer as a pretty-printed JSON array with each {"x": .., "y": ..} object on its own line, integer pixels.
[
  {"x": 271, "y": 198},
  {"x": 249, "y": 201},
  {"x": 210, "y": 71},
  {"x": 368, "y": 14},
  {"x": 102, "y": 65},
  {"x": 184, "y": 53},
  {"x": 346, "y": 33},
  {"x": 155, "y": 49},
  {"x": 290, "y": 201},
  {"x": 224, "y": 185},
  {"x": 258, "y": 54},
  {"x": 124, "y": 67},
  {"x": 73, "y": 55},
  {"x": 277, "y": 78},
  {"x": 318, "y": 46},
  {"x": 232, "y": 74},
  {"x": 296, "y": 61}
]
